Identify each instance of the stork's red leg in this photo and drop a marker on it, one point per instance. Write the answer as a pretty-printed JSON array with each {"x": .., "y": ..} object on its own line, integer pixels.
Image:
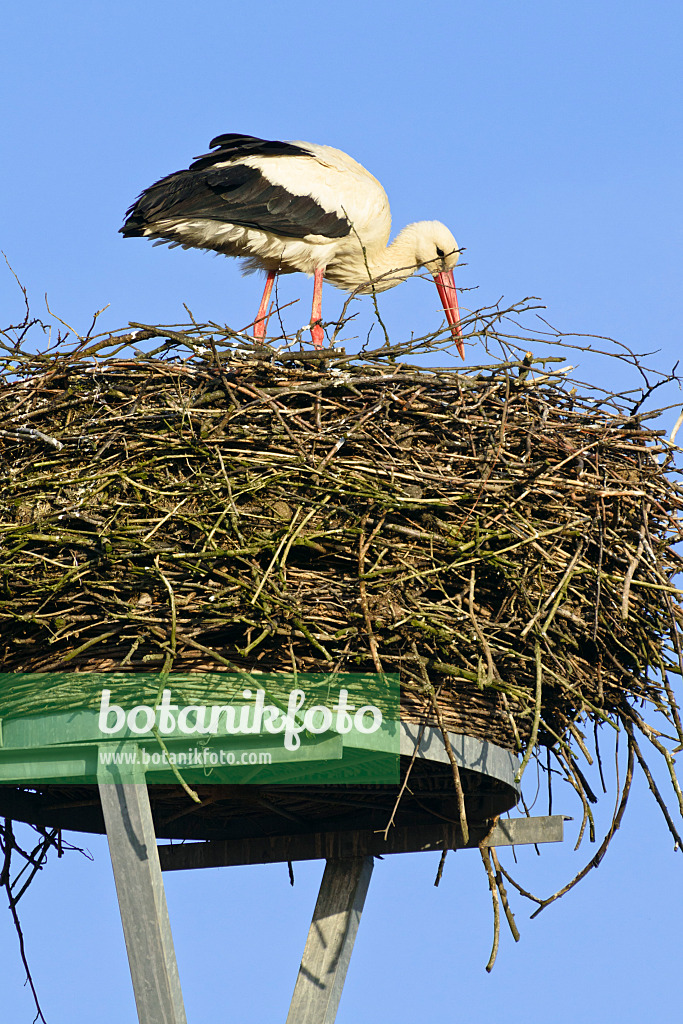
[
  {"x": 317, "y": 332},
  {"x": 262, "y": 315}
]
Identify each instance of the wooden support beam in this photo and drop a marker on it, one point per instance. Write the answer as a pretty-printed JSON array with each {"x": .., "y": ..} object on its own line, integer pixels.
[
  {"x": 142, "y": 902},
  {"x": 330, "y": 941},
  {"x": 341, "y": 845}
]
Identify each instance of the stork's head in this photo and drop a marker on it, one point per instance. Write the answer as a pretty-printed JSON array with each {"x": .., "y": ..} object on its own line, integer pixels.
[
  {"x": 437, "y": 251},
  {"x": 435, "y": 248}
]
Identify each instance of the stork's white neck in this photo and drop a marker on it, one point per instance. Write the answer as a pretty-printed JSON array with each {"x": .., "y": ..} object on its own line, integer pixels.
[{"x": 379, "y": 267}]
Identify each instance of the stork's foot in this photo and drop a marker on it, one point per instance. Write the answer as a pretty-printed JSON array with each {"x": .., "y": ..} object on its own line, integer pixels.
[{"x": 318, "y": 335}]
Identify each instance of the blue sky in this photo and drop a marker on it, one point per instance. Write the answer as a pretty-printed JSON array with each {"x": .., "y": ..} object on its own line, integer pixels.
[{"x": 547, "y": 136}]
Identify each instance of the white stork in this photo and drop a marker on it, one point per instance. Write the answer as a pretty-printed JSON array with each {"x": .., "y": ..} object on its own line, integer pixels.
[{"x": 295, "y": 206}]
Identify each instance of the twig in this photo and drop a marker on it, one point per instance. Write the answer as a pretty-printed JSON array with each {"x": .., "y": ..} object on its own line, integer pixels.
[{"x": 486, "y": 858}]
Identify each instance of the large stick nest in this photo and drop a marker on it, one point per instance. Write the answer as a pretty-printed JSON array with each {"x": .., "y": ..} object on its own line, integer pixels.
[
  {"x": 493, "y": 533},
  {"x": 501, "y": 537}
]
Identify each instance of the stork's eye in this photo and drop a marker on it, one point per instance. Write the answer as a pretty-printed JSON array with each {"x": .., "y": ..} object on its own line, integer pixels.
[{"x": 440, "y": 253}]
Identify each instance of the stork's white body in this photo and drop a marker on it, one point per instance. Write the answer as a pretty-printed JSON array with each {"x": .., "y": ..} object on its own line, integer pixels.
[
  {"x": 286, "y": 207},
  {"x": 340, "y": 185}
]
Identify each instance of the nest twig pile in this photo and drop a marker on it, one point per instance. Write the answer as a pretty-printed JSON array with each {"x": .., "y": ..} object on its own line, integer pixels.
[{"x": 502, "y": 539}]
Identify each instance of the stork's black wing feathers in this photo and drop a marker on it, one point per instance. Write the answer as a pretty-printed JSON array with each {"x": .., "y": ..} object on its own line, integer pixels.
[
  {"x": 235, "y": 147},
  {"x": 234, "y": 194}
]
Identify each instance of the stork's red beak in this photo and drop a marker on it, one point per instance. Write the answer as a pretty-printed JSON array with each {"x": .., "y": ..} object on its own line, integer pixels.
[{"x": 449, "y": 300}]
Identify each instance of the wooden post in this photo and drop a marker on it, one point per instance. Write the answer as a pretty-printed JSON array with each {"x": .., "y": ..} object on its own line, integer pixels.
[
  {"x": 142, "y": 902},
  {"x": 330, "y": 941}
]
